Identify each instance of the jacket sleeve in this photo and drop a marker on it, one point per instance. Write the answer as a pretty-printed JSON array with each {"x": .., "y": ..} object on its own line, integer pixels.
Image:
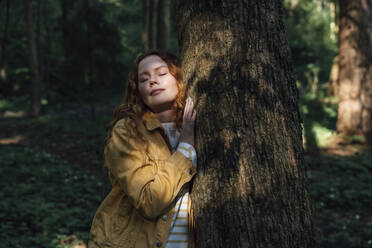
[{"x": 150, "y": 185}]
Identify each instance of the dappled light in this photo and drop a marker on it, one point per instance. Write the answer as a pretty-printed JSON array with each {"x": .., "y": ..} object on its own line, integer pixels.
[
  {"x": 11, "y": 140},
  {"x": 307, "y": 114},
  {"x": 71, "y": 241},
  {"x": 13, "y": 114}
]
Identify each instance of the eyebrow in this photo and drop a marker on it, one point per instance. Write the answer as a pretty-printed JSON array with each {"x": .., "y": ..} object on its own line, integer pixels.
[{"x": 157, "y": 68}]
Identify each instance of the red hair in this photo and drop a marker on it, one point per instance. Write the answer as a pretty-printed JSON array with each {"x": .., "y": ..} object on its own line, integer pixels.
[{"x": 132, "y": 105}]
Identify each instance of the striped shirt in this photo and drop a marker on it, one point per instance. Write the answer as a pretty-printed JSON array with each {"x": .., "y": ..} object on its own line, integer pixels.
[{"x": 178, "y": 234}]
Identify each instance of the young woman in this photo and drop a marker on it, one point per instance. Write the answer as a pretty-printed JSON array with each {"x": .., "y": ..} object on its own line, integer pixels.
[{"x": 150, "y": 157}]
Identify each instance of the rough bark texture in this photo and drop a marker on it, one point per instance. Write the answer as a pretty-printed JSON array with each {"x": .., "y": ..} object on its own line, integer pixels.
[
  {"x": 163, "y": 27},
  {"x": 250, "y": 189},
  {"x": 33, "y": 61},
  {"x": 355, "y": 65}
]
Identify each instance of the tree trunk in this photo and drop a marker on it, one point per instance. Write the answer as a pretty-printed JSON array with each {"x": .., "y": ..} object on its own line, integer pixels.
[
  {"x": 146, "y": 23},
  {"x": 46, "y": 56},
  {"x": 33, "y": 61},
  {"x": 73, "y": 22},
  {"x": 334, "y": 19},
  {"x": 163, "y": 27},
  {"x": 152, "y": 24},
  {"x": 39, "y": 54},
  {"x": 355, "y": 63},
  {"x": 333, "y": 79},
  {"x": 4, "y": 42},
  {"x": 250, "y": 190}
]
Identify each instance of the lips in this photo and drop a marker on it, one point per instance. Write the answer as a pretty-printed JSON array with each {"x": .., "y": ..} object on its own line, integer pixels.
[{"x": 155, "y": 92}]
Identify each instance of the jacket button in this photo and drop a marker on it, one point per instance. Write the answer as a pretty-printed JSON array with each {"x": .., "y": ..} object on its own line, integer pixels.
[
  {"x": 190, "y": 171},
  {"x": 164, "y": 217},
  {"x": 159, "y": 244}
]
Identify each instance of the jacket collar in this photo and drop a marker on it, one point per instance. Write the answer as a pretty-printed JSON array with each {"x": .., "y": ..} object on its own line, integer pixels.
[{"x": 150, "y": 121}]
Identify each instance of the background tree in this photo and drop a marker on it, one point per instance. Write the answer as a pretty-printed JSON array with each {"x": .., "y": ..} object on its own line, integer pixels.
[
  {"x": 152, "y": 35},
  {"x": 33, "y": 60},
  {"x": 355, "y": 69},
  {"x": 145, "y": 24},
  {"x": 250, "y": 189},
  {"x": 156, "y": 27},
  {"x": 163, "y": 25},
  {"x": 4, "y": 42}
]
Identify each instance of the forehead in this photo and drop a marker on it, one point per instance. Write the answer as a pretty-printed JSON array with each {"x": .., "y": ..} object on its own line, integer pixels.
[{"x": 149, "y": 63}]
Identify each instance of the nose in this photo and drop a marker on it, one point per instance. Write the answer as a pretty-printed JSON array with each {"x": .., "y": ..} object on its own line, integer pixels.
[{"x": 153, "y": 80}]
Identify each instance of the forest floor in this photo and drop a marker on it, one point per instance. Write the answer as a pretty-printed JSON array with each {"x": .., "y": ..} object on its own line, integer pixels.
[
  {"x": 62, "y": 135},
  {"x": 339, "y": 177},
  {"x": 339, "y": 146}
]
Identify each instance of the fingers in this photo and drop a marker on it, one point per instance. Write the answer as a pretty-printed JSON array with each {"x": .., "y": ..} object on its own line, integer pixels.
[
  {"x": 189, "y": 109},
  {"x": 188, "y": 123},
  {"x": 193, "y": 117},
  {"x": 185, "y": 110}
]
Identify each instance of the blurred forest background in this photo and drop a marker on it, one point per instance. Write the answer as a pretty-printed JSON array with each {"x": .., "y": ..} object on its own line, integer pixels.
[{"x": 63, "y": 66}]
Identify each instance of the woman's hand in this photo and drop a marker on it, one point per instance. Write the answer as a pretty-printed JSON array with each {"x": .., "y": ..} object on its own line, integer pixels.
[{"x": 188, "y": 123}]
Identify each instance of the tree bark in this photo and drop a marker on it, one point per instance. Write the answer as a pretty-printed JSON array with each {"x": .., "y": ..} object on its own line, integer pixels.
[
  {"x": 355, "y": 63},
  {"x": 250, "y": 190},
  {"x": 163, "y": 25},
  {"x": 33, "y": 61}
]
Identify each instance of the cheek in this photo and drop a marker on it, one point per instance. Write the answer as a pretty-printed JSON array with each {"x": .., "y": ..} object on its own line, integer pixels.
[
  {"x": 176, "y": 91},
  {"x": 174, "y": 87},
  {"x": 142, "y": 92}
]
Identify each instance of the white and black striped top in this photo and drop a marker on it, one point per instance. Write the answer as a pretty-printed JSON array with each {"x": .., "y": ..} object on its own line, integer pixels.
[{"x": 178, "y": 234}]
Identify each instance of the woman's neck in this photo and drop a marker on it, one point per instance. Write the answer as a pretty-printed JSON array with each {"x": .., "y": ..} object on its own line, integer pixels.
[{"x": 166, "y": 116}]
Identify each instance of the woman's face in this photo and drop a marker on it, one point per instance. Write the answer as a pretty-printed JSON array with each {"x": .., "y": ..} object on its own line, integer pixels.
[{"x": 156, "y": 85}]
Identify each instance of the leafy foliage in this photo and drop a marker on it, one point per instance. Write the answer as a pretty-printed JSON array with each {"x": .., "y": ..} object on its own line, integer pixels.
[
  {"x": 312, "y": 41},
  {"x": 319, "y": 119}
]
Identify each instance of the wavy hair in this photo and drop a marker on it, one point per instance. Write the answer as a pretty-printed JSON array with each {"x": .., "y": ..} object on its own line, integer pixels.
[{"x": 132, "y": 105}]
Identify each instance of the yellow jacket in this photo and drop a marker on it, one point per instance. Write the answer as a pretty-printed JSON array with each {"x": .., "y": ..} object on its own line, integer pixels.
[{"x": 138, "y": 211}]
